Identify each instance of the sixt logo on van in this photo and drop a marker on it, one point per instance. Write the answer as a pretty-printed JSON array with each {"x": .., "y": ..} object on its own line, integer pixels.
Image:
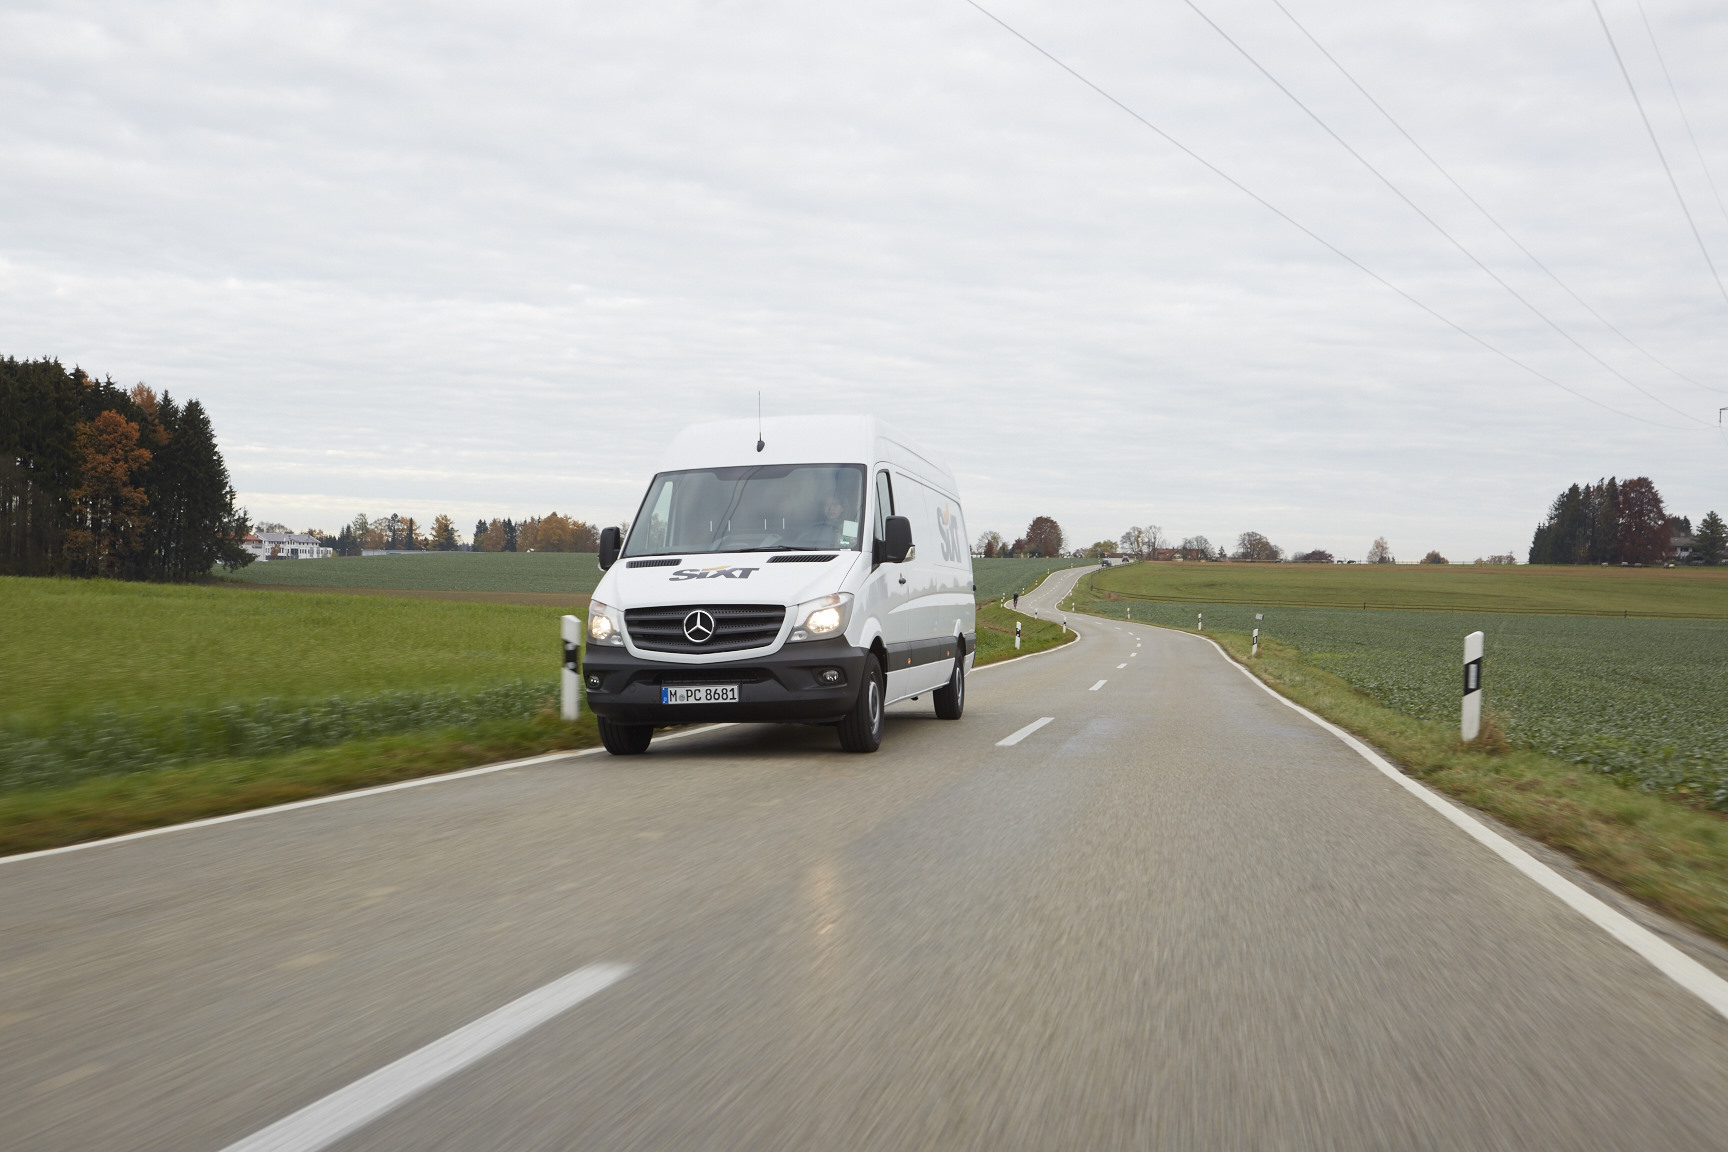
[{"x": 725, "y": 570}]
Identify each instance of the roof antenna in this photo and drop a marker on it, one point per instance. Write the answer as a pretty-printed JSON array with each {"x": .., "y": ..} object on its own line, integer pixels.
[{"x": 759, "y": 444}]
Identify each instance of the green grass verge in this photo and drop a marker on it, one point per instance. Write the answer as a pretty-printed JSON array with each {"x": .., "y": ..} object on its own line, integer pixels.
[
  {"x": 1690, "y": 593},
  {"x": 996, "y": 634},
  {"x": 113, "y": 805},
  {"x": 574, "y": 573},
  {"x": 1666, "y": 851}
]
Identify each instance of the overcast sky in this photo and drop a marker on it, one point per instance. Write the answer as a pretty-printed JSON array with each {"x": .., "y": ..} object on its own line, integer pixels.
[{"x": 485, "y": 259}]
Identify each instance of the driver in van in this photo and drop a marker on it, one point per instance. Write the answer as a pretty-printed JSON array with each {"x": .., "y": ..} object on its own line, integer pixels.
[{"x": 831, "y": 531}]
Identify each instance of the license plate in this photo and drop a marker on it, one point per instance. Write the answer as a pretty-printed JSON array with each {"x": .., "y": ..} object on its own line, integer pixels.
[{"x": 700, "y": 694}]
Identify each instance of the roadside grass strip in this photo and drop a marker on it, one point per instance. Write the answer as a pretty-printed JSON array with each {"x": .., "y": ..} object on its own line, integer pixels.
[
  {"x": 63, "y": 753},
  {"x": 1015, "y": 737},
  {"x": 349, "y": 1109}
]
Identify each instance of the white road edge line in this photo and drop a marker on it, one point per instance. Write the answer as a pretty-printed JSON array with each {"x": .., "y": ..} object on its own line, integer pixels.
[
  {"x": 1098, "y": 685},
  {"x": 1015, "y": 738},
  {"x": 321, "y": 1124},
  {"x": 335, "y": 797},
  {"x": 1663, "y": 956}
]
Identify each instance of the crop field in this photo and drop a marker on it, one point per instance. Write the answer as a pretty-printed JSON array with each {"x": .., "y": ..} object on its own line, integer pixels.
[
  {"x": 1681, "y": 593},
  {"x": 570, "y": 573},
  {"x": 1638, "y": 698},
  {"x": 104, "y": 677},
  {"x": 998, "y": 578}
]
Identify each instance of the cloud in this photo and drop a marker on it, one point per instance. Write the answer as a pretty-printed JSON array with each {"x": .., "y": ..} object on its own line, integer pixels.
[{"x": 445, "y": 258}]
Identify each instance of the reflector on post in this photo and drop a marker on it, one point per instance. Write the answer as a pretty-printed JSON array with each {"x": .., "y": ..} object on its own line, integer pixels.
[
  {"x": 1470, "y": 721},
  {"x": 570, "y": 695}
]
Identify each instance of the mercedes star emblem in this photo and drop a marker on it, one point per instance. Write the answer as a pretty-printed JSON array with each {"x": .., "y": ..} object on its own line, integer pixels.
[{"x": 698, "y": 627}]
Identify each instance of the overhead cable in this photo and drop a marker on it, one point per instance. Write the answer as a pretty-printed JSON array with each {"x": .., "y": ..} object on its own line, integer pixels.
[
  {"x": 1681, "y": 108},
  {"x": 1303, "y": 228},
  {"x": 1489, "y": 216},
  {"x": 1660, "y": 155},
  {"x": 1435, "y": 224}
]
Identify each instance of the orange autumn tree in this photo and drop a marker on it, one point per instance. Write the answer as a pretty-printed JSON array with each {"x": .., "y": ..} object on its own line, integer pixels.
[{"x": 108, "y": 504}]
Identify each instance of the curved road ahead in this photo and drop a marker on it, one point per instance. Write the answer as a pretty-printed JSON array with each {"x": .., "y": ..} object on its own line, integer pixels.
[{"x": 1177, "y": 915}]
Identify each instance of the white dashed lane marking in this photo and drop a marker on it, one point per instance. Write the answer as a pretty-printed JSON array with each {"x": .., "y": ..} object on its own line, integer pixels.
[
  {"x": 328, "y": 1120},
  {"x": 1015, "y": 738},
  {"x": 1098, "y": 685},
  {"x": 1121, "y": 665}
]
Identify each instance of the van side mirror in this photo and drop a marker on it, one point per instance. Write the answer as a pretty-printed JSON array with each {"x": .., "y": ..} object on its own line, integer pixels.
[
  {"x": 897, "y": 542},
  {"x": 609, "y": 545}
]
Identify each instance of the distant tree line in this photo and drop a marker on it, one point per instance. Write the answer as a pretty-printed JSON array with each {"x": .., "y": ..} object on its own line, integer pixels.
[
  {"x": 1610, "y": 522},
  {"x": 1043, "y": 538},
  {"x": 398, "y": 533},
  {"x": 100, "y": 481}
]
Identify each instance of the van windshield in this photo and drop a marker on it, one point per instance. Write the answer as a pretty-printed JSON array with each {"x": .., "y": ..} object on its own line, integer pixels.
[{"x": 767, "y": 508}]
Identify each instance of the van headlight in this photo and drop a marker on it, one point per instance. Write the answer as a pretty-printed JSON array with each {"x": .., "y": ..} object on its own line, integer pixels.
[
  {"x": 605, "y": 624},
  {"x": 821, "y": 619}
]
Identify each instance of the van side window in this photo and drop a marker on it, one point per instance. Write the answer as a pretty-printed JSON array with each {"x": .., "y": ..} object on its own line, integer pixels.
[{"x": 884, "y": 509}]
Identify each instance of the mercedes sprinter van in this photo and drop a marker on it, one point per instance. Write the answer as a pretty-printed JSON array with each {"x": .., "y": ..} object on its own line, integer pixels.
[{"x": 811, "y": 569}]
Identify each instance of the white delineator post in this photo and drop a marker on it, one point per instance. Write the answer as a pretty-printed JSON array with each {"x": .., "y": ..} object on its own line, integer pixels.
[
  {"x": 1470, "y": 721},
  {"x": 1016, "y": 633},
  {"x": 1258, "y": 616},
  {"x": 1199, "y": 621},
  {"x": 570, "y": 696}
]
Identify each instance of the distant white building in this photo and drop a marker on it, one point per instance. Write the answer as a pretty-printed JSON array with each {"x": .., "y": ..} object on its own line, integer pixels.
[{"x": 285, "y": 546}]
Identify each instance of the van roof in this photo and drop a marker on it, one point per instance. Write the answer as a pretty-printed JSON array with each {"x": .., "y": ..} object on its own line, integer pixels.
[{"x": 800, "y": 440}]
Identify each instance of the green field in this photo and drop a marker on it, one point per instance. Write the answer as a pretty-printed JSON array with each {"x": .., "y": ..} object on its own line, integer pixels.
[
  {"x": 571, "y": 573},
  {"x": 108, "y": 678},
  {"x": 1679, "y": 593},
  {"x": 998, "y": 578}
]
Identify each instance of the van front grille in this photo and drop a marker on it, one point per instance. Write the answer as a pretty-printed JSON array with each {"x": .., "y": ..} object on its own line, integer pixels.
[{"x": 736, "y": 627}]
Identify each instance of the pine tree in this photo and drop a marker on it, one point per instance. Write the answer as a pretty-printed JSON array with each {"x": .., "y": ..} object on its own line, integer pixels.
[
  {"x": 1710, "y": 541},
  {"x": 444, "y": 535},
  {"x": 479, "y": 534},
  {"x": 509, "y": 535}
]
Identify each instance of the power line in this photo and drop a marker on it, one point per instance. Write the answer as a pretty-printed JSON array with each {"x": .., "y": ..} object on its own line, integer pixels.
[
  {"x": 1660, "y": 155},
  {"x": 1491, "y": 218},
  {"x": 1303, "y": 228},
  {"x": 1684, "y": 119},
  {"x": 1433, "y": 223}
]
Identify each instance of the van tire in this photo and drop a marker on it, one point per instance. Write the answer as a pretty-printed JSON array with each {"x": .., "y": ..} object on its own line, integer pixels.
[
  {"x": 951, "y": 697},
  {"x": 861, "y": 729},
  {"x": 625, "y": 739}
]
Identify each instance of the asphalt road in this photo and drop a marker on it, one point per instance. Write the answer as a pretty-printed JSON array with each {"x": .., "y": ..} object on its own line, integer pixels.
[{"x": 1178, "y": 915}]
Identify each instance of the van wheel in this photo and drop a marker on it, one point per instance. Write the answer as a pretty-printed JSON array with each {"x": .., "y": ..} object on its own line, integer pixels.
[
  {"x": 861, "y": 730},
  {"x": 625, "y": 739},
  {"x": 951, "y": 697}
]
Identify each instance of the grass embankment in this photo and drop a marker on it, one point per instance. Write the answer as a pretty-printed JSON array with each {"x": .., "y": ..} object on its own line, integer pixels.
[
  {"x": 1684, "y": 593},
  {"x": 1657, "y": 843},
  {"x": 996, "y": 634},
  {"x": 127, "y": 706}
]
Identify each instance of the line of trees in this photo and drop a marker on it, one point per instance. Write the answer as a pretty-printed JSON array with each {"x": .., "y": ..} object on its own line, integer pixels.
[
  {"x": 1608, "y": 522},
  {"x": 1043, "y": 538},
  {"x": 397, "y": 533},
  {"x": 96, "y": 480}
]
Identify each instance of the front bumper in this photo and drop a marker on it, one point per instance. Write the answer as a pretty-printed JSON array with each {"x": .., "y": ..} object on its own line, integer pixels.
[{"x": 784, "y": 686}]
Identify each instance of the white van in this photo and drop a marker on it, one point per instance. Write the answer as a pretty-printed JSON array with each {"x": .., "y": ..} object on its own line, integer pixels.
[{"x": 811, "y": 569}]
